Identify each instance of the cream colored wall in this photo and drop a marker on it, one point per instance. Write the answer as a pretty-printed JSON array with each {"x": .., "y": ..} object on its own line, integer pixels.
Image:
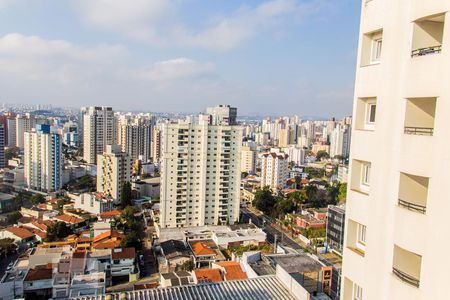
[{"x": 396, "y": 78}]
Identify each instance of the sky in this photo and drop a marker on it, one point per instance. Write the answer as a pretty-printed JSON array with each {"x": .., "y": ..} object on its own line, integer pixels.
[{"x": 267, "y": 57}]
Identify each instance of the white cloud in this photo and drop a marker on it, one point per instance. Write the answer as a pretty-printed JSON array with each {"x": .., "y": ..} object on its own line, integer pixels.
[
  {"x": 175, "y": 69},
  {"x": 155, "y": 22}
]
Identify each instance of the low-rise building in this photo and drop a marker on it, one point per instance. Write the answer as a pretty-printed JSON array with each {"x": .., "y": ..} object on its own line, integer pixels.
[
  {"x": 123, "y": 261},
  {"x": 335, "y": 228},
  {"x": 205, "y": 252},
  {"x": 172, "y": 255},
  {"x": 94, "y": 203}
]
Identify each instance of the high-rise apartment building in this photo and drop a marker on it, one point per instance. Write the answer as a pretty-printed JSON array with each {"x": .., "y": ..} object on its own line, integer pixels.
[
  {"x": 274, "y": 170},
  {"x": 2, "y": 146},
  {"x": 156, "y": 145},
  {"x": 248, "y": 160},
  {"x": 340, "y": 141},
  {"x": 222, "y": 115},
  {"x": 113, "y": 170},
  {"x": 200, "y": 174},
  {"x": 25, "y": 123},
  {"x": 98, "y": 131},
  {"x": 11, "y": 132},
  {"x": 396, "y": 211},
  {"x": 135, "y": 138},
  {"x": 42, "y": 159}
]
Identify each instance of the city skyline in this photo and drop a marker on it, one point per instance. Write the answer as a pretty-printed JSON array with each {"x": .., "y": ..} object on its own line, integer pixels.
[{"x": 198, "y": 55}]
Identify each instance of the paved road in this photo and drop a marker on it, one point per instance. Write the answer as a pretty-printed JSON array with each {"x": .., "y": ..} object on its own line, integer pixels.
[{"x": 265, "y": 223}]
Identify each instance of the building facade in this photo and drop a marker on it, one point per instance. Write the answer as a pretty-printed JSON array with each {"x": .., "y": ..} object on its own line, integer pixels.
[
  {"x": 113, "y": 170},
  {"x": 395, "y": 233},
  {"x": 274, "y": 170},
  {"x": 25, "y": 123},
  {"x": 98, "y": 131},
  {"x": 335, "y": 228},
  {"x": 42, "y": 159},
  {"x": 200, "y": 174},
  {"x": 135, "y": 138},
  {"x": 222, "y": 115}
]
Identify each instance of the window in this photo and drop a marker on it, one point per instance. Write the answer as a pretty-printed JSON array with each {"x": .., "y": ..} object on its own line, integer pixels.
[
  {"x": 365, "y": 177},
  {"x": 357, "y": 292},
  {"x": 361, "y": 236},
  {"x": 372, "y": 44},
  {"x": 366, "y": 109}
]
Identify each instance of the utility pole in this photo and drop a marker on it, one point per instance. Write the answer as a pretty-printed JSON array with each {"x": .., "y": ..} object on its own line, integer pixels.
[{"x": 275, "y": 244}]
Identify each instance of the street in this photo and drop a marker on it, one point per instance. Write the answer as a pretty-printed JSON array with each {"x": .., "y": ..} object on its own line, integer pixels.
[{"x": 265, "y": 223}]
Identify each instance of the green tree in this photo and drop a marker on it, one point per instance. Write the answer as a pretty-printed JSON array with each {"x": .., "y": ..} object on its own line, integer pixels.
[
  {"x": 126, "y": 195},
  {"x": 342, "y": 195},
  {"x": 57, "y": 231},
  {"x": 131, "y": 240},
  {"x": 37, "y": 199},
  {"x": 7, "y": 245},
  {"x": 187, "y": 266},
  {"x": 285, "y": 206},
  {"x": 322, "y": 154},
  {"x": 13, "y": 217},
  {"x": 264, "y": 200}
]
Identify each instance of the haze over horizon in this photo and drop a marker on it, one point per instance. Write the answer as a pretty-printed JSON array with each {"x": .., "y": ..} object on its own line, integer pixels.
[{"x": 281, "y": 57}]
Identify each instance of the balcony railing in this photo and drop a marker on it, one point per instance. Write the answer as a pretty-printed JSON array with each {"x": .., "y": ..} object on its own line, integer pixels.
[
  {"x": 411, "y": 206},
  {"x": 406, "y": 277},
  {"x": 426, "y": 51},
  {"x": 419, "y": 130}
]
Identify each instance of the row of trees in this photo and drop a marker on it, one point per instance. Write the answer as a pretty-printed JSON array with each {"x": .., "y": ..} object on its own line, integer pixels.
[{"x": 311, "y": 195}]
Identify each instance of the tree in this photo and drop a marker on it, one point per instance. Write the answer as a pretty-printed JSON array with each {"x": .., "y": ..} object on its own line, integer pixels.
[
  {"x": 322, "y": 154},
  {"x": 7, "y": 245},
  {"x": 285, "y": 206},
  {"x": 187, "y": 266},
  {"x": 37, "y": 199},
  {"x": 126, "y": 195},
  {"x": 264, "y": 200},
  {"x": 58, "y": 231},
  {"x": 131, "y": 240},
  {"x": 342, "y": 195},
  {"x": 13, "y": 217}
]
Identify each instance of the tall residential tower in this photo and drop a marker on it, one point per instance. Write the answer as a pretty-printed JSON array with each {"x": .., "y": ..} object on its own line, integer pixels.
[{"x": 396, "y": 234}]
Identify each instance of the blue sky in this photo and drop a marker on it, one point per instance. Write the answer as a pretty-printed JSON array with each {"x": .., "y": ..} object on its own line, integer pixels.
[{"x": 268, "y": 57}]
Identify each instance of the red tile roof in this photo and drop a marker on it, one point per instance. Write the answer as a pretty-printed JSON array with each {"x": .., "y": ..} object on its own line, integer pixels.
[
  {"x": 233, "y": 270},
  {"x": 201, "y": 248},
  {"x": 39, "y": 273},
  {"x": 110, "y": 214},
  {"x": 107, "y": 245},
  {"x": 69, "y": 219},
  {"x": 20, "y": 232},
  {"x": 208, "y": 275},
  {"x": 108, "y": 235},
  {"x": 123, "y": 253}
]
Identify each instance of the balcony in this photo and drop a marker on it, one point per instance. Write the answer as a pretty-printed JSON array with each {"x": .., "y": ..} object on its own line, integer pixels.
[
  {"x": 407, "y": 266},
  {"x": 420, "y": 115},
  {"x": 413, "y": 192},
  {"x": 427, "y": 35}
]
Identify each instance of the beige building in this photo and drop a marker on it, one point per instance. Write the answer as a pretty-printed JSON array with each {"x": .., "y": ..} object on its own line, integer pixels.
[
  {"x": 156, "y": 145},
  {"x": 135, "y": 137},
  {"x": 200, "y": 174},
  {"x": 248, "y": 160},
  {"x": 113, "y": 170},
  {"x": 397, "y": 204},
  {"x": 98, "y": 131},
  {"x": 274, "y": 170}
]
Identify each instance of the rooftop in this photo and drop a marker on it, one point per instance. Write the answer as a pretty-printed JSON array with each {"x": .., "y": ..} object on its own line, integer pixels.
[
  {"x": 20, "y": 232},
  {"x": 261, "y": 288},
  {"x": 208, "y": 275},
  {"x": 202, "y": 248},
  {"x": 295, "y": 263}
]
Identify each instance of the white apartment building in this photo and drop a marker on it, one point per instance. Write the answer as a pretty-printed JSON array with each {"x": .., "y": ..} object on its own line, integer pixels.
[
  {"x": 156, "y": 145},
  {"x": 11, "y": 125},
  {"x": 274, "y": 170},
  {"x": 200, "y": 174},
  {"x": 222, "y": 115},
  {"x": 340, "y": 141},
  {"x": 2, "y": 146},
  {"x": 295, "y": 154},
  {"x": 98, "y": 131},
  {"x": 397, "y": 204},
  {"x": 25, "y": 123},
  {"x": 42, "y": 159},
  {"x": 248, "y": 160},
  {"x": 135, "y": 137},
  {"x": 113, "y": 170},
  {"x": 94, "y": 203}
]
